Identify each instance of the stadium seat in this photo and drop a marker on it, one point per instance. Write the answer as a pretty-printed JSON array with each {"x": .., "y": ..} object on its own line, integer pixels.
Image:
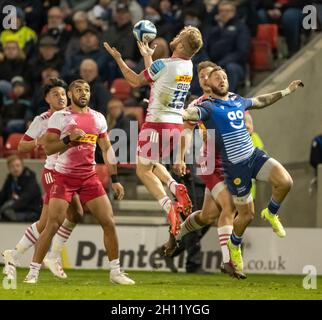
[
  {"x": 268, "y": 32},
  {"x": 137, "y": 112},
  {"x": 121, "y": 89},
  {"x": 1, "y": 146},
  {"x": 11, "y": 146},
  {"x": 261, "y": 56},
  {"x": 103, "y": 175}
]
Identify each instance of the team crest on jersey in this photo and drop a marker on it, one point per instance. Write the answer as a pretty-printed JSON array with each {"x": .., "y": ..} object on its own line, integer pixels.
[
  {"x": 237, "y": 181},
  {"x": 183, "y": 79},
  {"x": 88, "y": 138}
]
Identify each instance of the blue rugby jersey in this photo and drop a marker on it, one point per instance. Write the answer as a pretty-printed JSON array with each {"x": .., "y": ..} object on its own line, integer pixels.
[{"x": 227, "y": 118}]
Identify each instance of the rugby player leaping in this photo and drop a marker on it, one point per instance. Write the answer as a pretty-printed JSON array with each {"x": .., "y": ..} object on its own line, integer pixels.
[
  {"x": 170, "y": 82},
  {"x": 225, "y": 112}
]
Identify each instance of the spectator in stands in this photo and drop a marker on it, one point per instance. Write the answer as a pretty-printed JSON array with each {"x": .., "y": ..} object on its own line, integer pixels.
[
  {"x": 57, "y": 28},
  {"x": 81, "y": 23},
  {"x": 120, "y": 34},
  {"x": 39, "y": 104},
  {"x": 15, "y": 108},
  {"x": 166, "y": 11},
  {"x": 228, "y": 43},
  {"x": 69, "y": 7},
  {"x": 316, "y": 152},
  {"x": 20, "y": 197},
  {"x": 287, "y": 13},
  {"x": 135, "y": 9},
  {"x": 116, "y": 119},
  {"x": 101, "y": 15},
  {"x": 12, "y": 63},
  {"x": 99, "y": 93},
  {"x": 25, "y": 36},
  {"x": 34, "y": 13},
  {"x": 90, "y": 48},
  {"x": 48, "y": 56},
  {"x": 166, "y": 30}
]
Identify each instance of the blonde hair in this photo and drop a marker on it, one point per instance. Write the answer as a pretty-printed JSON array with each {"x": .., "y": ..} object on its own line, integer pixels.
[{"x": 191, "y": 40}]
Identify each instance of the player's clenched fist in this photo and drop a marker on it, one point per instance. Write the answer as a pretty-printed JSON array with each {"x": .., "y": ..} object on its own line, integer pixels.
[
  {"x": 179, "y": 169},
  {"x": 294, "y": 85},
  {"x": 76, "y": 134},
  {"x": 119, "y": 190}
]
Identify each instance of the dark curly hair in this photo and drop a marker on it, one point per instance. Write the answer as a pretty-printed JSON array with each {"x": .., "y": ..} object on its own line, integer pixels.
[{"x": 53, "y": 83}]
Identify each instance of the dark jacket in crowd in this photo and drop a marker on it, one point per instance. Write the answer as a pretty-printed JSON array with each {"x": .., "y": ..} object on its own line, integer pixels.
[
  {"x": 11, "y": 68},
  {"x": 316, "y": 152},
  {"x": 122, "y": 38},
  {"x": 15, "y": 108},
  {"x": 38, "y": 64},
  {"x": 99, "y": 96},
  {"x": 27, "y": 190},
  {"x": 270, "y": 4},
  {"x": 230, "y": 43}
]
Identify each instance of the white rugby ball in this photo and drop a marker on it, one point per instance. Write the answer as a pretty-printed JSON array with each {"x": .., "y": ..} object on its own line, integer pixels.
[{"x": 144, "y": 31}]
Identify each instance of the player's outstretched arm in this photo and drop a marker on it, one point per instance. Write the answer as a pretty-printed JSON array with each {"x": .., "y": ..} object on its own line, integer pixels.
[
  {"x": 111, "y": 161},
  {"x": 134, "y": 79},
  {"x": 146, "y": 53},
  {"x": 266, "y": 100},
  {"x": 191, "y": 113}
]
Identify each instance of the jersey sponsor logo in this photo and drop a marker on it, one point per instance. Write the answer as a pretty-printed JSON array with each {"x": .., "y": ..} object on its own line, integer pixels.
[
  {"x": 238, "y": 115},
  {"x": 183, "y": 79},
  {"x": 237, "y": 181},
  {"x": 88, "y": 138}
]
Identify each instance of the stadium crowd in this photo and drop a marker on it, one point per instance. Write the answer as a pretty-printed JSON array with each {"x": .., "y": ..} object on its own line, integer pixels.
[{"x": 63, "y": 38}]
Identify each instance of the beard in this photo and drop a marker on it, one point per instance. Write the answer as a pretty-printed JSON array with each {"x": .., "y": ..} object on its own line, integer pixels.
[
  {"x": 79, "y": 103},
  {"x": 218, "y": 91}
]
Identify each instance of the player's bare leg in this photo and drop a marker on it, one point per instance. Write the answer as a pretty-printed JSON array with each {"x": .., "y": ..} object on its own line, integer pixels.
[
  {"x": 102, "y": 210},
  {"x": 154, "y": 185},
  {"x": 57, "y": 209},
  {"x": 245, "y": 215},
  {"x": 177, "y": 189},
  {"x": 281, "y": 182},
  {"x": 53, "y": 260},
  {"x": 225, "y": 220},
  {"x": 12, "y": 257},
  {"x": 197, "y": 220}
]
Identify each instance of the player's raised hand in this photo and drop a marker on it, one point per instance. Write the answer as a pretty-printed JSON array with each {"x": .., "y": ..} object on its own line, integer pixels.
[
  {"x": 145, "y": 50},
  {"x": 294, "y": 85},
  {"x": 112, "y": 51},
  {"x": 76, "y": 134},
  {"x": 119, "y": 190}
]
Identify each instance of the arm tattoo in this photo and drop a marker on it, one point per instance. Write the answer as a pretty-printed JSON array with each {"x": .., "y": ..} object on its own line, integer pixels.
[
  {"x": 265, "y": 100},
  {"x": 191, "y": 114}
]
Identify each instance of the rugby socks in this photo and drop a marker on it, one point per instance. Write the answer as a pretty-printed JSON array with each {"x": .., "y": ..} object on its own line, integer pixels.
[
  {"x": 189, "y": 225},
  {"x": 172, "y": 185},
  {"x": 29, "y": 238},
  {"x": 34, "y": 269},
  {"x": 224, "y": 234},
  {"x": 60, "y": 238},
  {"x": 236, "y": 240},
  {"x": 273, "y": 206},
  {"x": 115, "y": 265},
  {"x": 165, "y": 204}
]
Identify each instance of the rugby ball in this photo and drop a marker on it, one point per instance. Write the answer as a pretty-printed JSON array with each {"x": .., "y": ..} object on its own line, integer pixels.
[{"x": 144, "y": 31}]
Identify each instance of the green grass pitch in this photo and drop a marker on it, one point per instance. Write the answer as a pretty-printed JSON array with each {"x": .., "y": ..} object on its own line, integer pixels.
[{"x": 94, "y": 284}]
